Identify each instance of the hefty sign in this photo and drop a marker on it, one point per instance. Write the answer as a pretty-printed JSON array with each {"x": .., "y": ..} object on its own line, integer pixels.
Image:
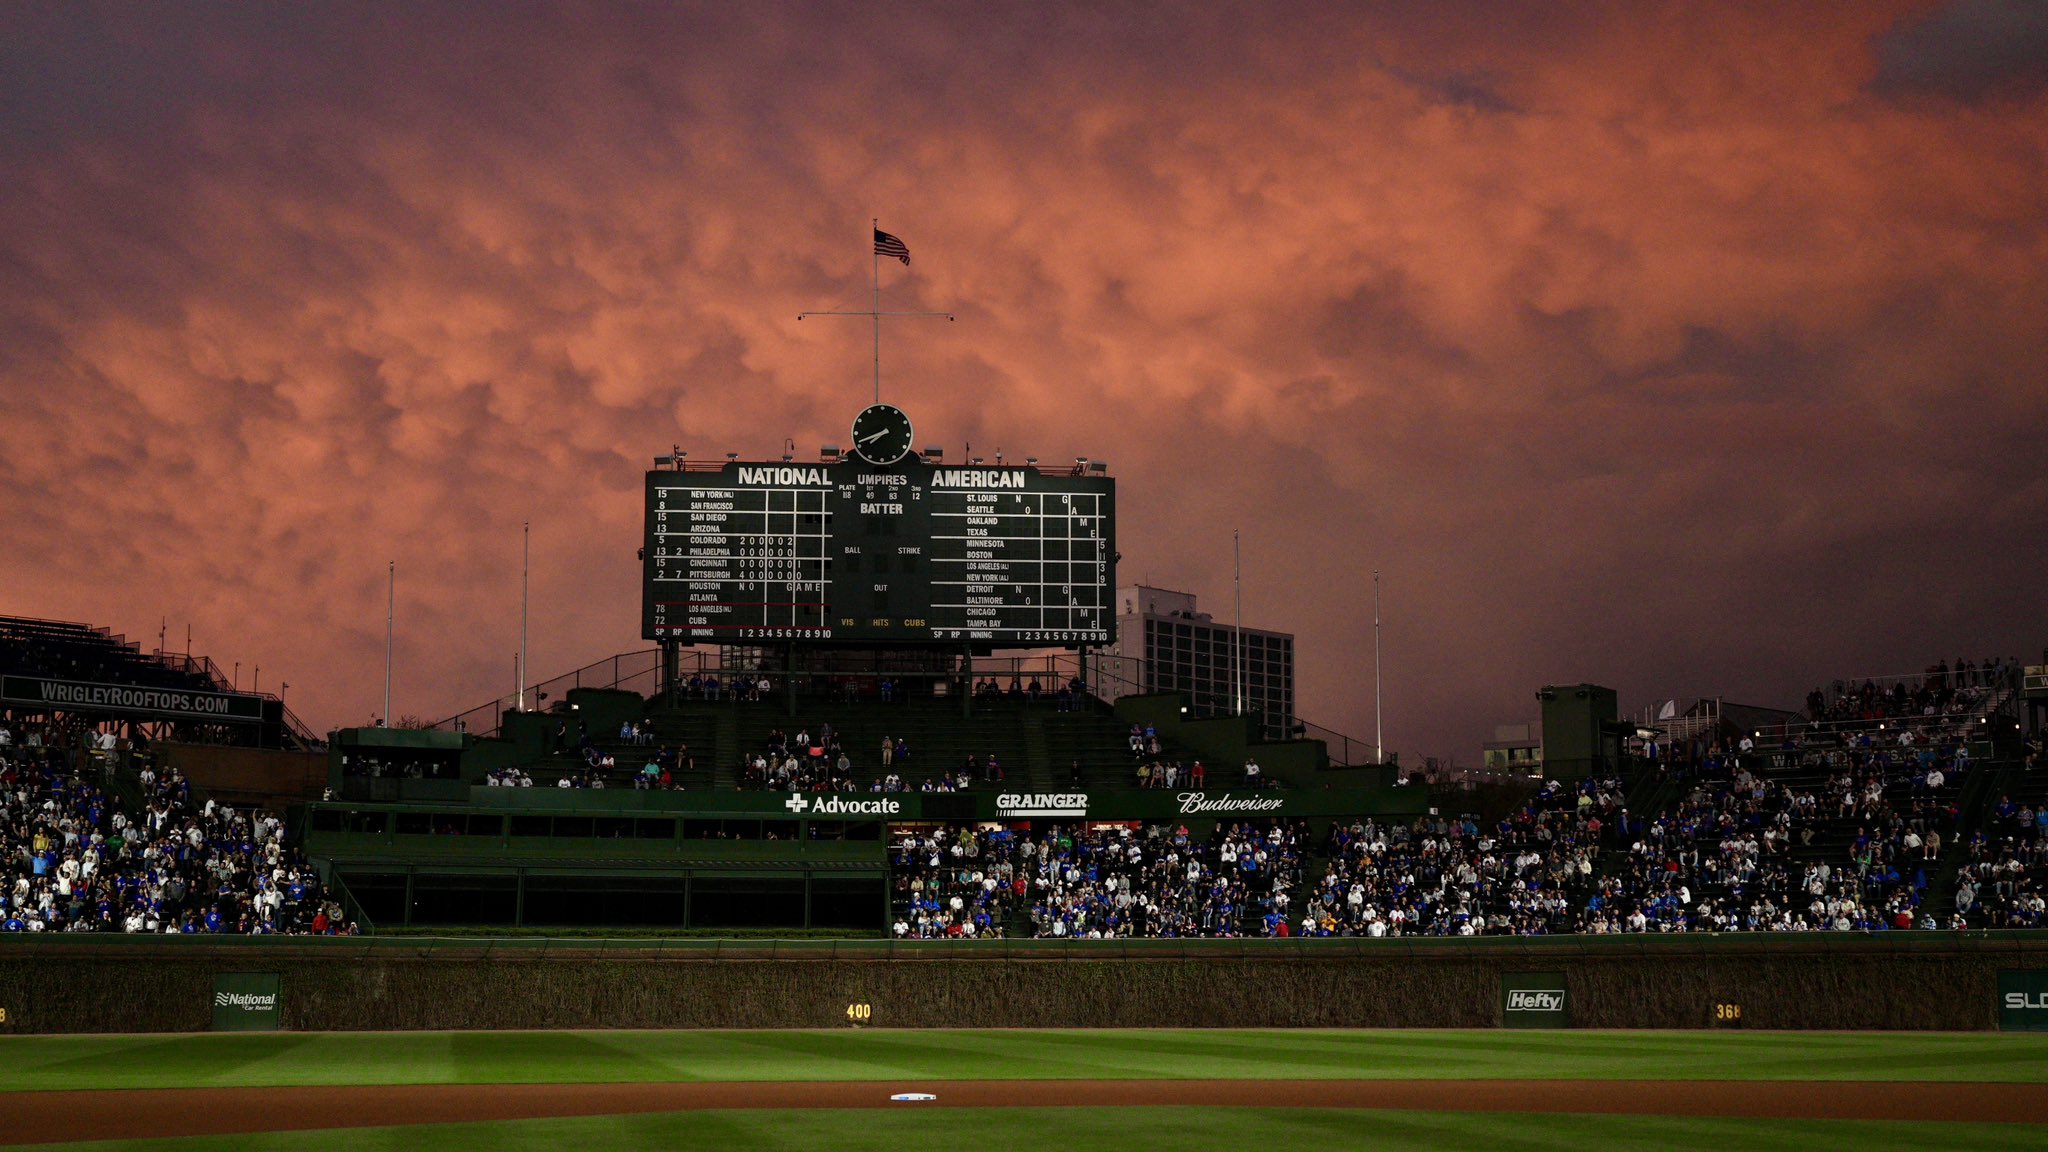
[{"x": 1534, "y": 1000}]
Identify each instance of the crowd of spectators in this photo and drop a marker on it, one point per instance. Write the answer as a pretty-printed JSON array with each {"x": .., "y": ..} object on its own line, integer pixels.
[
  {"x": 1107, "y": 882},
  {"x": 76, "y": 859},
  {"x": 1159, "y": 881},
  {"x": 1942, "y": 690},
  {"x": 598, "y": 766},
  {"x": 1154, "y": 770},
  {"x": 1845, "y": 842},
  {"x": 799, "y": 763},
  {"x": 955, "y": 882},
  {"x": 401, "y": 764},
  {"x": 2003, "y": 881},
  {"x": 1740, "y": 851},
  {"x": 820, "y": 762},
  {"x": 1528, "y": 873},
  {"x": 739, "y": 686},
  {"x": 1068, "y": 695}
]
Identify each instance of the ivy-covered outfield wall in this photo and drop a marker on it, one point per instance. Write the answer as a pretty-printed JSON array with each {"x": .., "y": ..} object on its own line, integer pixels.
[{"x": 1897, "y": 981}]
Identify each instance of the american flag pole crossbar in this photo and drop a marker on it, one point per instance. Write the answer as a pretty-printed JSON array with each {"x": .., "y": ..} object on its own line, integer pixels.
[{"x": 891, "y": 246}]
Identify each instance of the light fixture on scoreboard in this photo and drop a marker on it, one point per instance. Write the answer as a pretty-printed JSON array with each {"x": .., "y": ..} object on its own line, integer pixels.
[
  {"x": 934, "y": 454},
  {"x": 674, "y": 459},
  {"x": 829, "y": 454},
  {"x": 731, "y": 456},
  {"x": 1098, "y": 465},
  {"x": 1031, "y": 461}
]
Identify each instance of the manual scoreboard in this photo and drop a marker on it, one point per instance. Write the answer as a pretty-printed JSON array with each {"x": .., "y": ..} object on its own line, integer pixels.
[{"x": 988, "y": 556}]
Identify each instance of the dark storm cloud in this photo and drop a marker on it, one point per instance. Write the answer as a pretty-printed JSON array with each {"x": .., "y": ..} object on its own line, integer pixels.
[{"x": 1967, "y": 50}]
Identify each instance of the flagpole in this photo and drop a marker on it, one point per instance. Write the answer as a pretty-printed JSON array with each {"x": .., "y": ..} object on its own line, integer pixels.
[
  {"x": 525, "y": 565},
  {"x": 874, "y": 312},
  {"x": 1379, "y": 742},
  {"x": 1237, "y": 642},
  {"x": 876, "y": 261},
  {"x": 390, "y": 614}
]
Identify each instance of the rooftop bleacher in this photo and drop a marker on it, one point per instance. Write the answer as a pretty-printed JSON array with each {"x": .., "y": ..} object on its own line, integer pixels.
[{"x": 68, "y": 650}]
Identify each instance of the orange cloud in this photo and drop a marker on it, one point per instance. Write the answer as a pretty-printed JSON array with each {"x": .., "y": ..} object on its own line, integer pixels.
[{"x": 1686, "y": 350}]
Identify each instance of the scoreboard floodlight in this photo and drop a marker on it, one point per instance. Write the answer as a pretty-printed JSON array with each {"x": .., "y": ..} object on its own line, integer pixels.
[{"x": 881, "y": 547}]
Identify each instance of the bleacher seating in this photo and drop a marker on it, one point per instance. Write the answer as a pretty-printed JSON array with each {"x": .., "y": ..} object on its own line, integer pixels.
[
  {"x": 1853, "y": 818},
  {"x": 1112, "y": 882},
  {"x": 66, "y": 650},
  {"x": 95, "y": 837},
  {"x": 710, "y": 744}
]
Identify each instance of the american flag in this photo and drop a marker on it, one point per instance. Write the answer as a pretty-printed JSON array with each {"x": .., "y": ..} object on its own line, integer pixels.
[{"x": 887, "y": 245}]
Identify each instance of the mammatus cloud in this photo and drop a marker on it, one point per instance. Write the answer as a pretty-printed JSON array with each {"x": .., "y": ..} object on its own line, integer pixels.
[{"x": 1663, "y": 349}]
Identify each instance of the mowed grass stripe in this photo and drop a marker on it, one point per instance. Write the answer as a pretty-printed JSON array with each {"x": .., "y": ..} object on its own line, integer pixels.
[
  {"x": 1120, "y": 1130},
  {"x": 61, "y": 1062}
]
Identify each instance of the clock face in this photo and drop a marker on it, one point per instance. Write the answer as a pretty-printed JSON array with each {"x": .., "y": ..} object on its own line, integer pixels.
[{"x": 881, "y": 434}]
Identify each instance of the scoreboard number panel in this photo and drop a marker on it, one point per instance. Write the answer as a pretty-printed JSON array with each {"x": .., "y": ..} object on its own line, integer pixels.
[{"x": 861, "y": 553}]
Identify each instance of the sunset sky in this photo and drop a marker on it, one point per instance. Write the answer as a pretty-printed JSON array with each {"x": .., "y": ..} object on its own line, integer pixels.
[{"x": 1688, "y": 349}]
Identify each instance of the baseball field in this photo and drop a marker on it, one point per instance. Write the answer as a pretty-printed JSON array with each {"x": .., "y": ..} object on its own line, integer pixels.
[{"x": 1126, "y": 1090}]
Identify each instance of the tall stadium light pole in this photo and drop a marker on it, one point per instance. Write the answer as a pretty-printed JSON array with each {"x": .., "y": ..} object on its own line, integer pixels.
[
  {"x": 1237, "y": 640},
  {"x": 525, "y": 565},
  {"x": 1379, "y": 740},
  {"x": 390, "y": 614}
]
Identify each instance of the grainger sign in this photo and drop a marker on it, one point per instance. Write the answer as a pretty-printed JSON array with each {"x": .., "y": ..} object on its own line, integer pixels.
[{"x": 1014, "y": 804}]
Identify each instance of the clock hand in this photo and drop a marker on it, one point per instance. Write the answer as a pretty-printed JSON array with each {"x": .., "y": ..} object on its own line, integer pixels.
[{"x": 874, "y": 436}]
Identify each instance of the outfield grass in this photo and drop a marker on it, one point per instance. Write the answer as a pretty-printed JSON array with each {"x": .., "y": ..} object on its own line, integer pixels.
[
  {"x": 66, "y": 1062},
  {"x": 1124, "y": 1130}
]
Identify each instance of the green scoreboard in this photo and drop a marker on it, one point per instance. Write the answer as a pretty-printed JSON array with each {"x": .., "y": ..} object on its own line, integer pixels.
[{"x": 856, "y": 552}]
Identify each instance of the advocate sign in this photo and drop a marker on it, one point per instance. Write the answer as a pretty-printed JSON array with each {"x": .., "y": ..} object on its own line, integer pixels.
[
  {"x": 834, "y": 804},
  {"x": 231, "y": 707}
]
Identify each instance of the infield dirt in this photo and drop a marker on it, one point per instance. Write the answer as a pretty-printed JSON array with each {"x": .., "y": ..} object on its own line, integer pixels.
[{"x": 46, "y": 1117}]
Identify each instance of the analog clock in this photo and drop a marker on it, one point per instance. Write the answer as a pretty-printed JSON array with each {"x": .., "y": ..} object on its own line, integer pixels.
[{"x": 881, "y": 434}]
